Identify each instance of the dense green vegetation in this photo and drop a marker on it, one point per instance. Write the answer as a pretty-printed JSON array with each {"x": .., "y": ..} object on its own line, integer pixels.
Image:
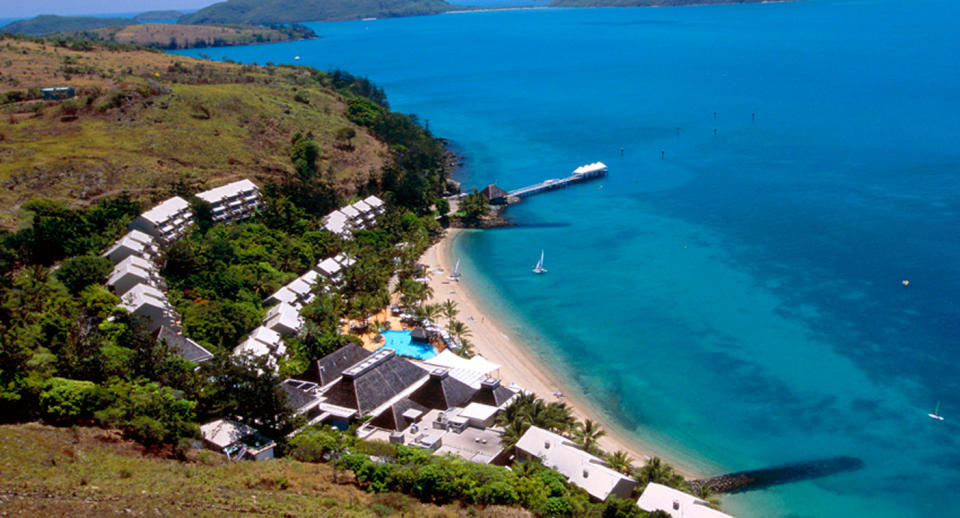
[
  {"x": 288, "y": 11},
  {"x": 152, "y": 16},
  {"x": 442, "y": 479},
  {"x": 48, "y": 23}
]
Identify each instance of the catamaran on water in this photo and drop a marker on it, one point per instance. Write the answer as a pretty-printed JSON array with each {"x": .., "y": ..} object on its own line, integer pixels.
[
  {"x": 455, "y": 276},
  {"x": 936, "y": 413},
  {"x": 538, "y": 269}
]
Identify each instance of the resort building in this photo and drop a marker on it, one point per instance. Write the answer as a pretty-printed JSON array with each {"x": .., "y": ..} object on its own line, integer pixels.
[
  {"x": 331, "y": 270},
  {"x": 167, "y": 222},
  {"x": 579, "y": 467},
  {"x": 494, "y": 194},
  {"x": 302, "y": 397},
  {"x": 377, "y": 207},
  {"x": 356, "y": 216},
  {"x": 233, "y": 202},
  {"x": 236, "y": 440},
  {"x": 132, "y": 271},
  {"x": 298, "y": 292},
  {"x": 185, "y": 347},
  {"x": 344, "y": 260},
  {"x": 677, "y": 504},
  {"x": 263, "y": 342},
  {"x": 284, "y": 319},
  {"x": 471, "y": 371},
  {"x": 133, "y": 243},
  {"x": 151, "y": 304},
  {"x": 494, "y": 394},
  {"x": 376, "y": 383},
  {"x": 328, "y": 369}
]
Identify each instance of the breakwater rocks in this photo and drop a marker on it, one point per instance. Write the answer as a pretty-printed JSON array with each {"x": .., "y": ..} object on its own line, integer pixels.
[{"x": 767, "y": 477}]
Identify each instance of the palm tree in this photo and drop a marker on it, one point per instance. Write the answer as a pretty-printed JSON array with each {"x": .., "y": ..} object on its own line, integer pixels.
[
  {"x": 458, "y": 329},
  {"x": 587, "y": 433},
  {"x": 621, "y": 462},
  {"x": 449, "y": 310},
  {"x": 466, "y": 349},
  {"x": 558, "y": 417},
  {"x": 655, "y": 470}
]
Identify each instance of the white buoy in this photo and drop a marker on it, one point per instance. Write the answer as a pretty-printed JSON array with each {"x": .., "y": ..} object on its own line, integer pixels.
[{"x": 906, "y": 282}]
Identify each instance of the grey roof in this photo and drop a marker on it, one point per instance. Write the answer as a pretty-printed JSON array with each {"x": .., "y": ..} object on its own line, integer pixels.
[
  {"x": 393, "y": 418},
  {"x": 186, "y": 348},
  {"x": 330, "y": 366},
  {"x": 492, "y": 393},
  {"x": 492, "y": 192},
  {"x": 442, "y": 391},
  {"x": 374, "y": 381},
  {"x": 300, "y": 394}
]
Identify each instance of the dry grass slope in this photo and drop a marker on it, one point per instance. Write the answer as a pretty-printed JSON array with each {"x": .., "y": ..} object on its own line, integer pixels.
[
  {"x": 47, "y": 471},
  {"x": 206, "y": 124}
]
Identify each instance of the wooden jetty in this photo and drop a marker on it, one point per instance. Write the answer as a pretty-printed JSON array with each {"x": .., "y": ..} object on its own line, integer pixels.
[
  {"x": 580, "y": 174},
  {"x": 763, "y": 478}
]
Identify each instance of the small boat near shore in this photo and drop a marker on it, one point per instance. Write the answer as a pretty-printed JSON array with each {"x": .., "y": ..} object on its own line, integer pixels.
[
  {"x": 455, "y": 276},
  {"x": 539, "y": 269}
]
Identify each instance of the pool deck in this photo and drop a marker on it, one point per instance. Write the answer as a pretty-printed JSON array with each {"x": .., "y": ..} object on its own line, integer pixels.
[{"x": 393, "y": 323}]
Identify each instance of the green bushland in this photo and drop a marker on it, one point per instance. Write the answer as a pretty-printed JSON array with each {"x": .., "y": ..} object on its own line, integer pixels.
[
  {"x": 289, "y": 11},
  {"x": 48, "y": 23}
]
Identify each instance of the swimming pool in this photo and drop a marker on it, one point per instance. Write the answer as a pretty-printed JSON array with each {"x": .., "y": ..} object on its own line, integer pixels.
[{"x": 405, "y": 345}]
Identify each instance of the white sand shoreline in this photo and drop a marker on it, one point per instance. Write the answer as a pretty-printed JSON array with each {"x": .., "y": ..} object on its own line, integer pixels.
[{"x": 520, "y": 365}]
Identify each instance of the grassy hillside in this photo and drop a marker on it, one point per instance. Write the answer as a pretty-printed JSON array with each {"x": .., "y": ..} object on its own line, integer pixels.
[
  {"x": 93, "y": 472},
  {"x": 145, "y": 121},
  {"x": 288, "y": 11},
  {"x": 48, "y": 23},
  {"x": 178, "y": 36}
]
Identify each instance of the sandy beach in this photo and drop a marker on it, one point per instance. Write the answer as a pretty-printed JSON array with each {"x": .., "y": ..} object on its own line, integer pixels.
[{"x": 518, "y": 365}]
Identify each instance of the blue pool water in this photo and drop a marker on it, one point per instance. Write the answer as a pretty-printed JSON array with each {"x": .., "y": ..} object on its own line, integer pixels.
[
  {"x": 738, "y": 303},
  {"x": 405, "y": 345}
]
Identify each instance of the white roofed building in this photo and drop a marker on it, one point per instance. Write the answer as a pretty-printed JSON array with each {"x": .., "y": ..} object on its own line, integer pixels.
[
  {"x": 234, "y": 201},
  {"x": 344, "y": 260},
  {"x": 338, "y": 223},
  {"x": 167, "y": 222},
  {"x": 236, "y": 440},
  {"x": 376, "y": 205},
  {"x": 330, "y": 270},
  {"x": 263, "y": 342},
  {"x": 132, "y": 271},
  {"x": 150, "y": 303},
  {"x": 581, "y": 468},
  {"x": 284, "y": 319},
  {"x": 134, "y": 242},
  {"x": 657, "y": 497},
  {"x": 298, "y": 292}
]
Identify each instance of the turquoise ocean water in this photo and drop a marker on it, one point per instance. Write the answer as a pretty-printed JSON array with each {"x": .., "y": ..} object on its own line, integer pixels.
[{"x": 738, "y": 303}]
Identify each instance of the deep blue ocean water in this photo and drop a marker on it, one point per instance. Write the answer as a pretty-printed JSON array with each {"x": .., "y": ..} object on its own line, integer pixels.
[{"x": 738, "y": 303}]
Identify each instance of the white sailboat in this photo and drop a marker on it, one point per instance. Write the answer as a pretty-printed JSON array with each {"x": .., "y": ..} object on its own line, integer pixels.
[
  {"x": 455, "y": 276},
  {"x": 936, "y": 413},
  {"x": 538, "y": 269}
]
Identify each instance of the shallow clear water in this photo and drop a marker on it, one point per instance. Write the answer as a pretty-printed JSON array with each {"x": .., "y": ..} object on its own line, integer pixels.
[{"x": 739, "y": 302}]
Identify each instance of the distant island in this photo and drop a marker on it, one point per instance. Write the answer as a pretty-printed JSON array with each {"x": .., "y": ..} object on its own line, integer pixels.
[
  {"x": 289, "y": 11},
  {"x": 647, "y": 3},
  {"x": 48, "y": 24},
  {"x": 152, "y": 16},
  {"x": 170, "y": 36}
]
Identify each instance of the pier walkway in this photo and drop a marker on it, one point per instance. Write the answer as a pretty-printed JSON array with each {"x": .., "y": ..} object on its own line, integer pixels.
[{"x": 580, "y": 174}]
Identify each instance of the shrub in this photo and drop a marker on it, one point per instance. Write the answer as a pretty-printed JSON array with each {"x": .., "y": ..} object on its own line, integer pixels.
[
  {"x": 76, "y": 273},
  {"x": 65, "y": 400}
]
